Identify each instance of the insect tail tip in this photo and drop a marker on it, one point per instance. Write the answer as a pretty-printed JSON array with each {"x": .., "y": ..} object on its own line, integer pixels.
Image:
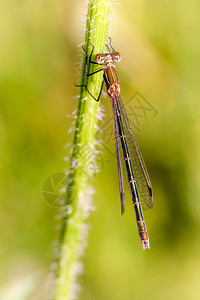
[
  {"x": 145, "y": 244},
  {"x": 122, "y": 208}
]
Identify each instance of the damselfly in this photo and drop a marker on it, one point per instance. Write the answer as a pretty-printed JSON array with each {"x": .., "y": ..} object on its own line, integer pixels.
[{"x": 137, "y": 175}]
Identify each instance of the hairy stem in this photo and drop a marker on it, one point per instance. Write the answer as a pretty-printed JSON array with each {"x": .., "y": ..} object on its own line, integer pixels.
[{"x": 79, "y": 189}]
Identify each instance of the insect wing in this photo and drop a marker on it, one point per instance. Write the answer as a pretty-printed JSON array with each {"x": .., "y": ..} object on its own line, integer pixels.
[{"x": 142, "y": 179}]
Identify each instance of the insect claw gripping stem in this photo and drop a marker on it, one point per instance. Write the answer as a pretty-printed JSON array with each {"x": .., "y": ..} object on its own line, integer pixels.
[
  {"x": 86, "y": 72},
  {"x": 110, "y": 46}
]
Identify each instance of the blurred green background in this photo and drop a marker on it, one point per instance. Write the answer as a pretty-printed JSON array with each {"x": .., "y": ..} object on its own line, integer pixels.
[{"x": 160, "y": 45}]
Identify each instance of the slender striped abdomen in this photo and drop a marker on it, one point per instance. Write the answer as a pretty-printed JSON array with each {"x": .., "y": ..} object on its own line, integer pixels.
[
  {"x": 132, "y": 184},
  {"x": 113, "y": 87}
]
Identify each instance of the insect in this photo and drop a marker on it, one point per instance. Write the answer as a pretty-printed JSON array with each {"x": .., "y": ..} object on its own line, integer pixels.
[{"x": 137, "y": 175}]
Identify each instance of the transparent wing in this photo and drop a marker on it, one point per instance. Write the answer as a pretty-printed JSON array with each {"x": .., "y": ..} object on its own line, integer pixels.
[{"x": 142, "y": 179}]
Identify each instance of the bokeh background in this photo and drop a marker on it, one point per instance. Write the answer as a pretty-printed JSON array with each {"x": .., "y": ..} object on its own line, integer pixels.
[{"x": 39, "y": 63}]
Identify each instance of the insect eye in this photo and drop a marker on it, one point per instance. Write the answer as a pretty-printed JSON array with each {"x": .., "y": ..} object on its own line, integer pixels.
[
  {"x": 99, "y": 58},
  {"x": 116, "y": 56}
]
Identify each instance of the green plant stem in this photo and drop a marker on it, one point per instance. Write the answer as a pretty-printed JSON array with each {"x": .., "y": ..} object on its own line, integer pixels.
[{"x": 79, "y": 192}]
